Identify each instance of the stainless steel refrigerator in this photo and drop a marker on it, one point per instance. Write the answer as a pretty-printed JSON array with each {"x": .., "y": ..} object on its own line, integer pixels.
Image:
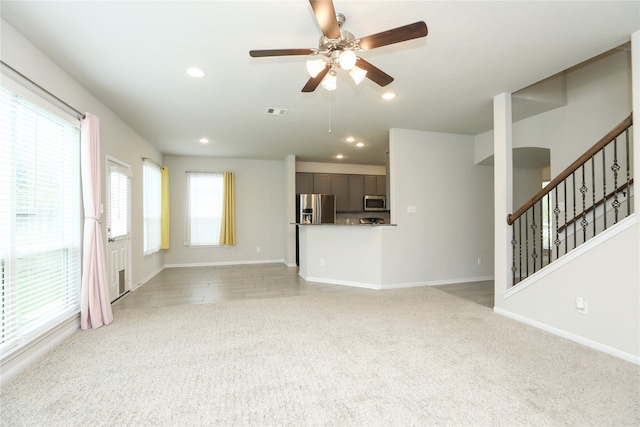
[{"x": 314, "y": 209}]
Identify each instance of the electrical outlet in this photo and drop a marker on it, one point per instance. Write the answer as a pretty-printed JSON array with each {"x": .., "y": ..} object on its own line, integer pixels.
[
  {"x": 479, "y": 261},
  {"x": 411, "y": 209},
  {"x": 321, "y": 262},
  {"x": 258, "y": 249}
]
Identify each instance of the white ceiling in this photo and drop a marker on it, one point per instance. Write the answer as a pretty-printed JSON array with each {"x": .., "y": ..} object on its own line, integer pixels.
[{"x": 132, "y": 56}]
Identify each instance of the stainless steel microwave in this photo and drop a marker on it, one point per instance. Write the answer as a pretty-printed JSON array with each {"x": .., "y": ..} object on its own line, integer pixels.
[{"x": 375, "y": 203}]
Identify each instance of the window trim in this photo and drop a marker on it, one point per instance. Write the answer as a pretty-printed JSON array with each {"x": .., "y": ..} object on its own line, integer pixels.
[{"x": 31, "y": 336}]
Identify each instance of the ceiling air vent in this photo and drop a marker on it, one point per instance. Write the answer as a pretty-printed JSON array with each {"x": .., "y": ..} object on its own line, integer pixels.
[{"x": 277, "y": 111}]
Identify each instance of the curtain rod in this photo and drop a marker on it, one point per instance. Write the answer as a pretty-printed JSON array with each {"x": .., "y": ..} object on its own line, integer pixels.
[
  {"x": 153, "y": 161},
  {"x": 79, "y": 113}
]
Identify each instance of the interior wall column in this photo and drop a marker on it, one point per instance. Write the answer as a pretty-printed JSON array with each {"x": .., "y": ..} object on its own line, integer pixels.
[
  {"x": 290, "y": 193},
  {"x": 503, "y": 193},
  {"x": 635, "y": 89}
]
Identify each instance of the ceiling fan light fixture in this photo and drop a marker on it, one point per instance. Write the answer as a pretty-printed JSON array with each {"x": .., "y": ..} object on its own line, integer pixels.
[
  {"x": 314, "y": 66},
  {"x": 347, "y": 60},
  {"x": 357, "y": 74},
  {"x": 330, "y": 80}
]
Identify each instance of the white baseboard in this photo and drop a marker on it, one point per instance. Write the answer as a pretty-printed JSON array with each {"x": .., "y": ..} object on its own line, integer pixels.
[
  {"x": 147, "y": 278},
  {"x": 570, "y": 336},
  {"x": 378, "y": 286},
  {"x": 213, "y": 264}
]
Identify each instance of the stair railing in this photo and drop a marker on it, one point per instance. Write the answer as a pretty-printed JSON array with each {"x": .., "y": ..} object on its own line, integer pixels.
[{"x": 592, "y": 194}]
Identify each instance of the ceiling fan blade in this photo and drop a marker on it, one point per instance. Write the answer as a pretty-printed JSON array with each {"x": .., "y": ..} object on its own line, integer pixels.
[
  {"x": 397, "y": 35},
  {"x": 326, "y": 17},
  {"x": 374, "y": 73},
  {"x": 313, "y": 82},
  {"x": 280, "y": 52}
]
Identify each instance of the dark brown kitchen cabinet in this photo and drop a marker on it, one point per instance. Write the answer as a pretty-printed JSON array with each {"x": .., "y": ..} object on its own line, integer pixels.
[
  {"x": 375, "y": 185},
  {"x": 349, "y": 189},
  {"x": 381, "y": 184},
  {"x": 304, "y": 183},
  {"x": 322, "y": 183},
  {"x": 370, "y": 185},
  {"x": 340, "y": 188},
  {"x": 356, "y": 193}
]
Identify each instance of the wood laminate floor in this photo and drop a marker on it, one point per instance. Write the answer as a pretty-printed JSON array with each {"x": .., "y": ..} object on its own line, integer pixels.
[{"x": 201, "y": 285}]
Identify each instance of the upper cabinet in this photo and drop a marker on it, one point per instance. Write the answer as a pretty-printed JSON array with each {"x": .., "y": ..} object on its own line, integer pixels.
[
  {"x": 375, "y": 185},
  {"x": 322, "y": 183},
  {"x": 304, "y": 183},
  {"x": 349, "y": 189},
  {"x": 340, "y": 187},
  {"x": 356, "y": 193}
]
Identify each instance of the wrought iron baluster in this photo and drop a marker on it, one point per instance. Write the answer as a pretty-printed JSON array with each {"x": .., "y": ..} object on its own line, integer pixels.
[
  {"x": 604, "y": 185},
  {"x": 520, "y": 245},
  {"x": 626, "y": 134},
  {"x": 534, "y": 226},
  {"x": 575, "y": 231},
  {"x": 547, "y": 235},
  {"x": 615, "y": 168},
  {"x": 526, "y": 242},
  {"x": 513, "y": 254},
  {"x": 584, "y": 223},
  {"x": 593, "y": 193},
  {"x": 566, "y": 231},
  {"x": 556, "y": 242}
]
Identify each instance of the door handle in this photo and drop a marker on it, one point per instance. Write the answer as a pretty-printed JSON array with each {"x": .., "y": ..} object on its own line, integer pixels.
[{"x": 111, "y": 240}]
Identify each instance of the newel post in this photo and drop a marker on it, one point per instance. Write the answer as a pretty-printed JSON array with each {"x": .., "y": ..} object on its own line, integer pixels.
[{"x": 503, "y": 193}]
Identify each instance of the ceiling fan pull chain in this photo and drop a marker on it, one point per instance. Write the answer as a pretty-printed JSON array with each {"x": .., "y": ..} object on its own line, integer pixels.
[{"x": 330, "y": 94}]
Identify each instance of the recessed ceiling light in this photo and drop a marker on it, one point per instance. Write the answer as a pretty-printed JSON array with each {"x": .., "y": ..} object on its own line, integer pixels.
[
  {"x": 350, "y": 139},
  {"x": 339, "y": 156},
  {"x": 388, "y": 96},
  {"x": 204, "y": 140},
  {"x": 195, "y": 72},
  {"x": 360, "y": 144}
]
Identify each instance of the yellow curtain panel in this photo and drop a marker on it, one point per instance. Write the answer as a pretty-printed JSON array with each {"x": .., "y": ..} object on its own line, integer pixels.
[
  {"x": 165, "y": 217},
  {"x": 228, "y": 228}
]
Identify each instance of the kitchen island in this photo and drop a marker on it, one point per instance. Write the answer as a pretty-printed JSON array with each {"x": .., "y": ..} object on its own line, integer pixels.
[{"x": 344, "y": 254}]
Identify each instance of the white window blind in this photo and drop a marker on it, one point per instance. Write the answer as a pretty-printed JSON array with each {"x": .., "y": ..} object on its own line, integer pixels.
[
  {"x": 40, "y": 219},
  {"x": 118, "y": 213},
  {"x": 204, "y": 209},
  {"x": 152, "y": 193}
]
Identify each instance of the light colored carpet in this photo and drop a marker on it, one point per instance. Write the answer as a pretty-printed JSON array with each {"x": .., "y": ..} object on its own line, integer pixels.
[{"x": 398, "y": 357}]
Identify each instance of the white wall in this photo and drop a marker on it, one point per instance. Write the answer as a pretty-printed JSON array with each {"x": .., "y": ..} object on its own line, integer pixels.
[
  {"x": 603, "y": 271},
  {"x": 117, "y": 138},
  {"x": 340, "y": 168},
  {"x": 606, "y": 277},
  {"x": 261, "y": 206},
  {"x": 453, "y": 198},
  {"x": 598, "y": 98},
  {"x": 526, "y": 183}
]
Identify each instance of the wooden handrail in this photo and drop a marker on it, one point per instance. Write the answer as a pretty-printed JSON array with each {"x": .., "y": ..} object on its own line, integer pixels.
[
  {"x": 615, "y": 132},
  {"x": 621, "y": 189}
]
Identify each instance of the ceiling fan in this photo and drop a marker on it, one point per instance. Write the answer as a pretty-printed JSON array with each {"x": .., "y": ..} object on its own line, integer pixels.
[{"x": 337, "y": 49}]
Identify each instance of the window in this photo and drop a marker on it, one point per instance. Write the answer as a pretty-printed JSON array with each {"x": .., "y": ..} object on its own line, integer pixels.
[
  {"x": 40, "y": 217},
  {"x": 204, "y": 209},
  {"x": 152, "y": 206},
  {"x": 118, "y": 212}
]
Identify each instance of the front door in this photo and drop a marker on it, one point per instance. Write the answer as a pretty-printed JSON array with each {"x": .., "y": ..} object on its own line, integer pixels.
[{"x": 118, "y": 186}]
